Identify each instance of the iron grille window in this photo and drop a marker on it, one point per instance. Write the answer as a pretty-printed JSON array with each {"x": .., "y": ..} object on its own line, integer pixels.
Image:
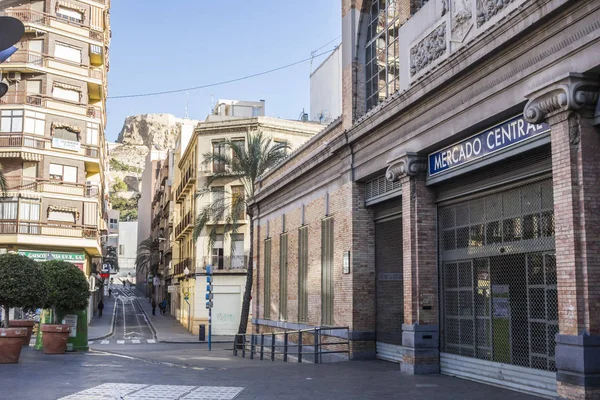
[
  {"x": 267, "y": 310},
  {"x": 382, "y": 60},
  {"x": 498, "y": 266},
  {"x": 380, "y": 187},
  {"x": 327, "y": 271},
  {"x": 302, "y": 274},
  {"x": 283, "y": 270}
]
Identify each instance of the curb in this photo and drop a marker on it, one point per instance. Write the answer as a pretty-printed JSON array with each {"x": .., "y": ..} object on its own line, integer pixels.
[
  {"x": 152, "y": 328},
  {"x": 112, "y": 325}
]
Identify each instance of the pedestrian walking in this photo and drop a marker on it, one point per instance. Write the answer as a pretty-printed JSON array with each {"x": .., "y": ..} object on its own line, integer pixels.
[
  {"x": 109, "y": 292},
  {"x": 163, "y": 307},
  {"x": 100, "y": 308},
  {"x": 153, "y": 307}
]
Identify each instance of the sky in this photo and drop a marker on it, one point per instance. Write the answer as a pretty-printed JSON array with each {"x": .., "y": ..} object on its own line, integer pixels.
[{"x": 175, "y": 44}]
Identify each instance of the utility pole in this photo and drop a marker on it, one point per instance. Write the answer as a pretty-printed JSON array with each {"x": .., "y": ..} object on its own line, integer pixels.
[{"x": 209, "y": 303}]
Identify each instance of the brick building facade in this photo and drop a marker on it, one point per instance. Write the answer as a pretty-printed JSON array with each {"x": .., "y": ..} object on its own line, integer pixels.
[{"x": 450, "y": 217}]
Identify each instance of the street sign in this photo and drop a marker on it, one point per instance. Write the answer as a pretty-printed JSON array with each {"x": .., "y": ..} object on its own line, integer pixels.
[
  {"x": 172, "y": 289},
  {"x": 209, "y": 288},
  {"x": 209, "y": 279},
  {"x": 209, "y": 270},
  {"x": 209, "y": 305},
  {"x": 209, "y": 296},
  {"x": 186, "y": 294}
]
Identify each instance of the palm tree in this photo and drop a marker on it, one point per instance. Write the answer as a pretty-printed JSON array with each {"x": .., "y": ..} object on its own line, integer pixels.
[
  {"x": 145, "y": 256},
  {"x": 247, "y": 165}
]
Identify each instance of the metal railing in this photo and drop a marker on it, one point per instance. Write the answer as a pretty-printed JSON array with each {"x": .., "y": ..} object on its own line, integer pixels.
[
  {"x": 47, "y": 229},
  {"x": 24, "y": 56},
  {"x": 180, "y": 267},
  {"x": 223, "y": 263},
  {"x": 309, "y": 342},
  {"x": 40, "y": 100},
  {"x": 21, "y": 141},
  {"x": 186, "y": 222},
  {"x": 51, "y": 186}
]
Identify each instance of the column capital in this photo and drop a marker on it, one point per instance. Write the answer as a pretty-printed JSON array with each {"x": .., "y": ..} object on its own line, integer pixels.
[
  {"x": 573, "y": 92},
  {"x": 408, "y": 164}
]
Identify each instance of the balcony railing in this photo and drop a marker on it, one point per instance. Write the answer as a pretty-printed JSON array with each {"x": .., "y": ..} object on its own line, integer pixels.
[
  {"x": 235, "y": 263},
  {"x": 29, "y": 17},
  {"x": 13, "y": 227},
  {"x": 40, "y": 100},
  {"x": 20, "y": 140},
  {"x": 185, "y": 223},
  {"x": 180, "y": 267},
  {"x": 34, "y": 59},
  {"x": 188, "y": 176},
  {"x": 25, "y": 183}
]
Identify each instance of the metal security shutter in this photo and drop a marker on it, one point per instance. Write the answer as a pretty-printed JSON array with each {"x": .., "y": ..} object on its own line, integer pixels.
[
  {"x": 530, "y": 165},
  {"x": 499, "y": 302},
  {"x": 283, "y": 272},
  {"x": 327, "y": 271},
  {"x": 303, "y": 274},
  {"x": 389, "y": 287},
  {"x": 267, "y": 309}
]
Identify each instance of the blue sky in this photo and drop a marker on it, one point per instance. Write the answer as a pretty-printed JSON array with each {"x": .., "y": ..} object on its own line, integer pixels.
[{"x": 174, "y": 44}]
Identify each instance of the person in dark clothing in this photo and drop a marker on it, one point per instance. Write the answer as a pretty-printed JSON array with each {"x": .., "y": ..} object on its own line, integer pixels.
[
  {"x": 100, "y": 308},
  {"x": 153, "y": 307}
]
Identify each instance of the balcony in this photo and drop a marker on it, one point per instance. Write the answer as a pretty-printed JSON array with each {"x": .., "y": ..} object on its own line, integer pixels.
[
  {"x": 23, "y": 183},
  {"x": 188, "y": 177},
  {"x": 35, "y": 21},
  {"x": 29, "y": 61},
  {"x": 185, "y": 225},
  {"x": 40, "y": 100},
  {"x": 223, "y": 264},
  {"x": 40, "y": 143},
  {"x": 180, "y": 267}
]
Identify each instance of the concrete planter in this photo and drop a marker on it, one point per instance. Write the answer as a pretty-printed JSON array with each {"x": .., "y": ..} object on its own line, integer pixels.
[
  {"x": 23, "y": 323},
  {"x": 11, "y": 342},
  {"x": 54, "y": 338}
]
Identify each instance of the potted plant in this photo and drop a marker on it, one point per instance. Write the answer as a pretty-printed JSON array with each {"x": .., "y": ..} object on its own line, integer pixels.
[
  {"x": 68, "y": 290},
  {"x": 21, "y": 285}
]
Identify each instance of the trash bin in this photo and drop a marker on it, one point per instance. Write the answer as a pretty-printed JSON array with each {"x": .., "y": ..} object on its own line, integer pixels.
[{"x": 202, "y": 333}]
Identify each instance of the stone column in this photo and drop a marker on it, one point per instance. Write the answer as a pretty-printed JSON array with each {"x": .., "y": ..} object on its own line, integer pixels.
[
  {"x": 420, "y": 331},
  {"x": 567, "y": 104}
]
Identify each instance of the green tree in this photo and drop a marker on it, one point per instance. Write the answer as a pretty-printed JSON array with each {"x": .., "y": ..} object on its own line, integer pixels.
[
  {"x": 21, "y": 283},
  {"x": 68, "y": 289},
  {"x": 247, "y": 165},
  {"x": 111, "y": 258},
  {"x": 145, "y": 258},
  {"x": 119, "y": 186}
]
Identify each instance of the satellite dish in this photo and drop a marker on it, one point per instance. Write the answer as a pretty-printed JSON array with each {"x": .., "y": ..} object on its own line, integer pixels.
[
  {"x": 5, "y": 54},
  {"x": 11, "y": 31},
  {"x": 3, "y": 88}
]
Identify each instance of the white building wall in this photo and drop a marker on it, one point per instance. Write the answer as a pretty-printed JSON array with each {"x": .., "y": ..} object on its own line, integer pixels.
[
  {"x": 127, "y": 248},
  {"x": 326, "y": 89}
]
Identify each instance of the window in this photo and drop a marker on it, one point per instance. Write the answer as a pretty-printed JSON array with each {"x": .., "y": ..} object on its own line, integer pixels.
[
  {"x": 69, "y": 14},
  {"x": 92, "y": 134},
  {"x": 237, "y": 200},
  {"x": 65, "y": 134},
  {"x": 327, "y": 271},
  {"x": 382, "y": 51},
  {"x": 35, "y": 122},
  {"x": 11, "y": 121},
  {"x": 121, "y": 249},
  {"x": 217, "y": 253},
  {"x": 218, "y": 201},
  {"x": 219, "y": 148},
  {"x": 66, "y": 52},
  {"x": 283, "y": 270},
  {"x": 241, "y": 143},
  {"x": 8, "y": 209},
  {"x": 29, "y": 210},
  {"x": 113, "y": 223},
  {"x": 267, "y": 275},
  {"x": 61, "y": 216},
  {"x": 66, "y": 94},
  {"x": 63, "y": 173},
  {"x": 303, "y": 274}
]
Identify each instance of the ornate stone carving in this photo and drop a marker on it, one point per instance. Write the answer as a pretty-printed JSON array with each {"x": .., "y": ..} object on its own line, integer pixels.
[
  {"x": 574, "y": 132},
  {"x": 429, "y": 49},
  {"x": 444, "y": 7},
  {"x": 462, "y": 19},
  {"x": 409, "y": 164},
  {"x": 574, "y": 92},
  {"x": 486, "y": 9}
]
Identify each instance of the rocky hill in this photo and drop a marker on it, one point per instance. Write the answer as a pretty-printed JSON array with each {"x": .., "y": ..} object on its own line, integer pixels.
[{"x": 128, "y": 154}]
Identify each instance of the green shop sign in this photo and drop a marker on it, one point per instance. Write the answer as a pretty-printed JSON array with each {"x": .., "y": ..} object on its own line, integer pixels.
[{"x": 76, "y": 258}]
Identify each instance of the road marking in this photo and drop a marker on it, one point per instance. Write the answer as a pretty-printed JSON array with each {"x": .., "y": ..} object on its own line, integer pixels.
[
  {"x": 120, "y": 342},
  {"x": 151, "y": 341},
  {"x": 104, "y": 342},
  {"x": 166, "y": 392},
  {"x": 90, "y": 342},
  {"x": 135, "y": 341}
]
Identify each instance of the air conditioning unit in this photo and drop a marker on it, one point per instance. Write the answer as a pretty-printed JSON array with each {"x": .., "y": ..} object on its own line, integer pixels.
[{"x": 13, "y": 76}]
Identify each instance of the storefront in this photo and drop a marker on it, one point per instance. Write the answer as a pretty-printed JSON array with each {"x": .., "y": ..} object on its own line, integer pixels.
[
  {"x": 75, "y": 258},
  {"x": 497, "y": 262}
]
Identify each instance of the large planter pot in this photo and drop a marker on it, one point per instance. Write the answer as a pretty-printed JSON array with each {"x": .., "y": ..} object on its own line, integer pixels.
[
  {"x": 55, "y": 337},
  {"x": 11, "y": 342},
  {"x": 23, "y": 323}
]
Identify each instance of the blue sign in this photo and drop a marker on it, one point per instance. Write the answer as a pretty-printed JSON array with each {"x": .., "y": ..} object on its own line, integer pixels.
[{"x": 496, "y": 138}]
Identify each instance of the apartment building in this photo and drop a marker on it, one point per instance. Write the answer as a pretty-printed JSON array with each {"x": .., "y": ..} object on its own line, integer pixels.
[
  {"x": 52, "y": 121},
  {"x": 228, "y": 255}
]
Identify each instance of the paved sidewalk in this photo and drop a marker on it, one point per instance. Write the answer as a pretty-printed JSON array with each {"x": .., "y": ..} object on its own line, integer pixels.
[
  {"x": 169, "y": 330},
  {"x": 101, "y": 327}
]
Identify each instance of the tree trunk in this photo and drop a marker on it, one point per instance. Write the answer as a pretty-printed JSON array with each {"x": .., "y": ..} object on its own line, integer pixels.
[
  {"x": 248, "y": 290},
  {"x": 5, "y": 321}
]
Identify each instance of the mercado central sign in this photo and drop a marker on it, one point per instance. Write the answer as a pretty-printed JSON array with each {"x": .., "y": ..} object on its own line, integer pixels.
[{"x": 492, "y": 140}]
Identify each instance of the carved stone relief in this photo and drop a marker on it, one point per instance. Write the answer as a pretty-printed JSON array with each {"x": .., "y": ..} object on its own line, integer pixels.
[
  {"x": 462, "y": 19},
  {"x": 410, "y": 164},
  {"x": 486, "y": 9},
  {"x": 429, "y": 49}
]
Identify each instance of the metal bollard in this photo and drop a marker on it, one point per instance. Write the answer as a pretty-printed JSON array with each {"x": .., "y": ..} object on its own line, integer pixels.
[
  {"x": 272, "y": 347},
  {"x": 244, "y": 345},
  {"x": 299, "y": 346},
  {"x": 235, "y": 345},
  {"x": 262, "y": 345},
  {"x": 285, "y": 346},
  {"x": 252, "y": 347},
  {"x": 202, "y": 333},
  {"x": 316, "y": 345}
]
